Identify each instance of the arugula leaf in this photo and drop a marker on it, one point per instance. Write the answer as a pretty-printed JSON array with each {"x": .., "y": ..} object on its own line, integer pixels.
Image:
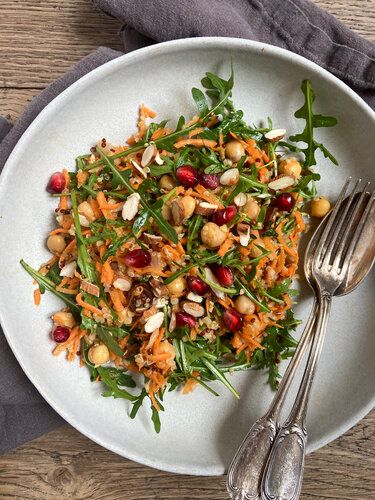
[
  {"x": 312, "y": 121},
  {"x": 50, "y": 286},
  {"x": 164, "y": 226},
  {"x": 113, "y": 389},
  {"x": 112, "y": 249},
  {"x": 106, "y": 336},
  {"x": 120, "y": 377},
  {"x": 200, "y": 101},
  {"x": 156, "y": 420},
  {"x": 84, "y": 260},
  {"x": 138, "y": 403}
]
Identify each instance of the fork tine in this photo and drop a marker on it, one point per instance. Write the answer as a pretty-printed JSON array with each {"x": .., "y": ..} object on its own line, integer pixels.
[
  {"x": 331, "y": 221},
  {"x": 335, "y": 234},
  {"x": 356, "y": 236},
  {"x": 342, "y": 242}
]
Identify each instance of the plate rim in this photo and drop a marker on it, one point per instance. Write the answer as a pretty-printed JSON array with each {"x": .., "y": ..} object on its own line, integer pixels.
[{"x": 97, "y": 73}]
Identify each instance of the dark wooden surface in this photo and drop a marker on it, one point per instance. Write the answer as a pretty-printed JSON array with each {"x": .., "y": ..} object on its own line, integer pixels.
[{"x": 39, "y": 41}]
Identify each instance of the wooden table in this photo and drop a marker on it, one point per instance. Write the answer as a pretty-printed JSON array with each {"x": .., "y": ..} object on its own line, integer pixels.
[{"x": 39, "y": 41}]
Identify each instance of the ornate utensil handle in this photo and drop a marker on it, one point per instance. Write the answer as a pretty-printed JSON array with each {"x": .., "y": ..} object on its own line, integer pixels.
[
  {"x": 246, "y": 469},
  {"x": 283, "y": 475}
]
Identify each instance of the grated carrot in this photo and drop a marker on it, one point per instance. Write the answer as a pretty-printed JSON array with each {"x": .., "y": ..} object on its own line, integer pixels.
[
  {"x": 87, "y": 306},
  {"x": 199, "y": 143},
  {"x": 37, "y": 296}
]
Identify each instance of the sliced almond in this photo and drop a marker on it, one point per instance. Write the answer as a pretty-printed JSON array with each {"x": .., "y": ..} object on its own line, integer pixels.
[
  {"x": 158, "y": 287},
  {"x": 124, "y": 284},
  {"x": 90, "y": 288},
  {"x": 275, "y": 135},
  {"x": 155, "y": 321},
  {"x": 131, "y": 207},
  {"x": 178, "y": 211},
  {"x": 172, "y": 323},
  {"x": 194, "y": 309},
  {"x": 83, "y": 220},
  {"x": 69, "y": 269},
  {"x": 194, "y": 297},
  {"x": 148, "y": 155},
  {"x": 211, "y": 277},
  {"x": 240, "y": 200},
  {"x": 244, "y": 234},
  {"x": 152, "y": 239},
  {"x": 282, "y": 181},
  {"x": 158, "y": 160},
  {"x": 230, "y": 177},
  {"x": 139, "y": 169},
  {"x": 205, "y": 208}
]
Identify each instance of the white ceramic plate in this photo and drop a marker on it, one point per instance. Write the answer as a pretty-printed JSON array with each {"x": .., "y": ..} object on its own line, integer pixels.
[{"x": 199, "y": 432}]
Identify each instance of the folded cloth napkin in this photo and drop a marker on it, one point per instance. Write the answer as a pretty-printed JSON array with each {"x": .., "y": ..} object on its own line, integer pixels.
[{"x": 297, "y": 25}]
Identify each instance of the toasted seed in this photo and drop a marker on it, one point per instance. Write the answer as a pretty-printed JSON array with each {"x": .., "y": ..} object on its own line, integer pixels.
[
  {"x": 194, "y": 309},
  {"x": 275, "y": 135},
  {"x": 155, "y": 321},
  {"x": 282, "y": 181},
  {"x": 131, "y": 207},
  {"x": 230, "y": 177}
]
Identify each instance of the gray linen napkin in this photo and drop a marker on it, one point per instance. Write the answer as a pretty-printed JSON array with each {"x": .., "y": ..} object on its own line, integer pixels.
[{"x": 297, "y": 25}]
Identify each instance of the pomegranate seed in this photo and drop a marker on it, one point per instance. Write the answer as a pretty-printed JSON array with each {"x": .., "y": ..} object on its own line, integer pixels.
[
  {"x": 223, "y": 274},
  {"x": 284, "y": 202},
  {"x": 225, "y": 215},
  {"x": 185, "y": 319},
  {"x": 209, "y": 181},
  {"x": 197, "y": 285},
  {"x": 56, "y": 183},
  {"x": 61, "y": 334},
  {"x": 187, "y": 176},
  {"x": 233, "y": 320},
  {"x": 138, "y": 258}
]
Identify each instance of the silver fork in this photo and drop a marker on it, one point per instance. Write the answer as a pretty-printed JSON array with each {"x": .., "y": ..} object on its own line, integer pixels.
[{"x": 282, "y": 479}]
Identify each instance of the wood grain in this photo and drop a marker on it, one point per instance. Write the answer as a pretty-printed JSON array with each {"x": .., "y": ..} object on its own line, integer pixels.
[{"x": 39, "y": 41}]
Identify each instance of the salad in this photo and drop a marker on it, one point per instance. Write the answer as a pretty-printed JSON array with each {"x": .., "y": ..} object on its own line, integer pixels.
[{"x": 175, "y": 253}]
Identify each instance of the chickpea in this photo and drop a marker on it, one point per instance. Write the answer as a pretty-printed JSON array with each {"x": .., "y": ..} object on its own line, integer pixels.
[
  {"x": 56, "y": 243},
  {"x": 98, "y": 354},
  {"x": 177, "y": 286},
  {"x": 189, "y": 206},
  {"x": 244, "y": 305},
  {"x": 85, "y": 209},
  {"x": 212, "y": 235},
  {"x": 252, "y": 209},
  {"x": 290, "y": 166},
  {"x": 167, "y": 182},
  {"x": 254, "y": 250},
  {"x": 64, "y": 318},
  {"x": 320, "y": 207},
  {"x": 234, "y": 150}
]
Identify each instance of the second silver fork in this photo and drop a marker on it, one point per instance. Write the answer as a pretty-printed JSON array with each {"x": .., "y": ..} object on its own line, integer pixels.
[{"x": 284, "y": 470}]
